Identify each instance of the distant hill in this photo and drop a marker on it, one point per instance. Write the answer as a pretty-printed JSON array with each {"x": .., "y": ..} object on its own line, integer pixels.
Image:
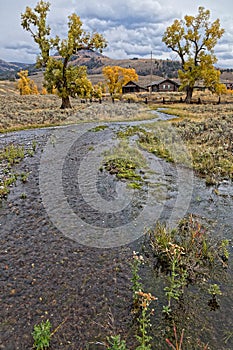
[
  {"x": 10, "y": 66},
  {"x": 227, "y": 74},
  {"x": 8, "y": 70},
  {"x": 95, "y": 62}
]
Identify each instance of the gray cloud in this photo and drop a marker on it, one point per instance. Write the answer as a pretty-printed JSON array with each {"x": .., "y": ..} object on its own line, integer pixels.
[
  {"x": 132, "y": 28},
  {"x": 124, "y": 12},
  {"x": 19, "y": 46},
  {"x": 226, "y": 56}
]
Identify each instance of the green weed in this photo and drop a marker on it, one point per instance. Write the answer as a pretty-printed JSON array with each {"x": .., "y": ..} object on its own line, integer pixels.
[
  {"x": 136, "y": 279},
  {"x": 24, "y": 177},
  {"x": 13, "y": 154},
  {"x": 42, "y": 335},
  {"x": 186, "y": 255},
  {"x": 34, "y": 145},
  {"x": 143, "y": 337},
  {"x": 99, "y": 128},
  {"x": 116, "y": 343}
]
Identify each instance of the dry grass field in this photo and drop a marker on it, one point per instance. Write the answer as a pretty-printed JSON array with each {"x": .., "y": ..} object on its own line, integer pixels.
[
  {"x": 25, "y": 111},
  {"x": 19, "y": 112},
  {"x": 207, "y": 129}
]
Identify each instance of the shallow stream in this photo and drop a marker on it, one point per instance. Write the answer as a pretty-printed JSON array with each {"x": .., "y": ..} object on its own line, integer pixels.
[{"x": 67, "y": 196}]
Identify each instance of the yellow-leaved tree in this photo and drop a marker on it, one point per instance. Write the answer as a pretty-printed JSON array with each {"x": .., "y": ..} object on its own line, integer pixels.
[
  {"x": 77, "y": 83},
  {"x": 44, "y": 91},
  {"x": 116, "y": 77},
  {"x": 59, "y": 74},
  {"x": 97, "y": 91},
  {"x": 25, "y": 85},
  {"x": 193, "y": 40}
]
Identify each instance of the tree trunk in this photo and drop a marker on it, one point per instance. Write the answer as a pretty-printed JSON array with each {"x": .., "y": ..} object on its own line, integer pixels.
[
  {"x": 65, "y": 99},
  {"x": 65, "y": 102},
  {"x": 189, "y": 94}
]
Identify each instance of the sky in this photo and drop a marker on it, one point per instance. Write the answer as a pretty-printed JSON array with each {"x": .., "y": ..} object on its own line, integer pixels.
[{"x": 133, "y": 28}]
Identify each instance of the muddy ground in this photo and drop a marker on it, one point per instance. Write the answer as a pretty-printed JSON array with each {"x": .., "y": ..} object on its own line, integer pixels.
[
  {"x": 45, "y": 275},
  {"x": 85, "y": 292}
]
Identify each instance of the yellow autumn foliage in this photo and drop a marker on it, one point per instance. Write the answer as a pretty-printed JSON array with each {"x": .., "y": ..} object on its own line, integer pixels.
[
  {"x": 116, "y": 77},
  {"x": 25, "y": 85}
]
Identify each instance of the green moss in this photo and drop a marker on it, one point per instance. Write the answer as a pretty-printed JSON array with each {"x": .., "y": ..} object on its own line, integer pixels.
[
  {"x": 135, "y": 185},
  {"x": 99, "y": 128},
  {"x": 126, "y": 163},
  {"x": 130, "y": 131},
  {"x": 123, "y": 169}
]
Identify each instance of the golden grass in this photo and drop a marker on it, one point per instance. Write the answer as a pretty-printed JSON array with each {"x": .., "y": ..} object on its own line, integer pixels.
[
  {"x": 207, "y": 130},
  {"x": 19, "y": 112},
  {"x": 30, "y": 111}
]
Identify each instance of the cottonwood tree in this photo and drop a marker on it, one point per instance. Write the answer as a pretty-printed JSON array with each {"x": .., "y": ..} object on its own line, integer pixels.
[
  {"x": 97, "y": 91},
  {"x": 77, "y": 82},
  {"x": 26, "y": 85},
  {"x": 116, "y": 77},
  {"x": 59, "y": 73},
  {"x": 193, "y": 40}
]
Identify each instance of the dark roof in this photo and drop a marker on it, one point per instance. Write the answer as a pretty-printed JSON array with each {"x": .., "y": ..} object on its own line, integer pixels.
[
  {"x": 132, "y": 84},
  {"x": 162, "y": 80}
]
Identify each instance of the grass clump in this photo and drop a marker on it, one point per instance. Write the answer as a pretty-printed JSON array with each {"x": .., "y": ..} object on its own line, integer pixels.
[
  {"x": 185, "y": 255},
  {"x": 42, "y": 335},
  {"x": 12, "y": 154},
  {"x": 153, "y": 144},
  {"x": 126, "y": 163},
  {"x": 5, "y": 185},
  {"x": 130, "y": 131},
  {"x": 123, "y": 169},
  {"x": 99, "y": 128},
  {"x": 9, "y": 156},
  {"x": 148, "y": 140},
  {"x": 210, "y": 143}
]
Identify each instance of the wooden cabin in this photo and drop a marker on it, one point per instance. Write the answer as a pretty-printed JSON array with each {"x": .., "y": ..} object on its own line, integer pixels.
[
  {"x": 132, "y": 87},
  {"x": 164, "y": 85},
  {"x": 227, "y": 83}
]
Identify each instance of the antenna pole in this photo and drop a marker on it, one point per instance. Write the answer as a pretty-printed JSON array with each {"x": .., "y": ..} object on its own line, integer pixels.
[{"x": 151, "y": 68}]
